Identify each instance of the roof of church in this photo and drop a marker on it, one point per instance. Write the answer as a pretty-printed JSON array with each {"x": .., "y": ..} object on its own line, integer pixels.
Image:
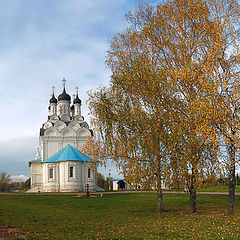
[
  {"x": 68, "y": 153},
  {"x": 64, "y": 95},
  {"x": 53, "y": 99},
  {"x": 77, "y": 100}
]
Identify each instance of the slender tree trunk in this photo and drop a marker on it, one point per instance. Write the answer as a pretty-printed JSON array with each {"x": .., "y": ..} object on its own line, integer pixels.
[
  {"x": 192, "y": 190},
  {"x": 159, "y": 190},
  {"x": 160, "y": 200},
  {"x": 231, "y": 179},
  {"x": 159, "y": 180},
  {"x": 193, "y": 196}
]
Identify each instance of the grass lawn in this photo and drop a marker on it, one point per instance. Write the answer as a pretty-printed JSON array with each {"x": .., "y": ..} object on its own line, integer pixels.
[
  {"x": 218, "y": 188},
  {"x": 120, "y": 216}
]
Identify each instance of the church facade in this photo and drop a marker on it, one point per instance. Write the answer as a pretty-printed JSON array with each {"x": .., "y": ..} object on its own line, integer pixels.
[{"x": 61, "y": 167}]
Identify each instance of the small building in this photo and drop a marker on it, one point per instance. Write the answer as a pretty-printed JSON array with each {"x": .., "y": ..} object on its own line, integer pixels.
[{"x": 119, "y": 184}]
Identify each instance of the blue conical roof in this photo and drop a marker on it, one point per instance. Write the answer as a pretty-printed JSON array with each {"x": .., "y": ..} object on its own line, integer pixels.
[{"x": 68, "y": 153}]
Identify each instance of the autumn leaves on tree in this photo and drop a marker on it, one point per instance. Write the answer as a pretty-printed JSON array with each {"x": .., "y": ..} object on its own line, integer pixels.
[{"x": 172, "y": 106}]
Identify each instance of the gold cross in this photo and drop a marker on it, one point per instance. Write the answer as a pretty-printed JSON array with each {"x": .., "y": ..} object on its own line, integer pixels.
[
  {"x": 53, "y": 89},
  {"x": 77, "y": 89}
]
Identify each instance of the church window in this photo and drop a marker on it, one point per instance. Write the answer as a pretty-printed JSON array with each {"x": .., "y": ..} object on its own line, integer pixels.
[
  {"x": 89, "y": 173},
  {"x": 71, "y": 172},
  {"x": 51, "y": 173}
]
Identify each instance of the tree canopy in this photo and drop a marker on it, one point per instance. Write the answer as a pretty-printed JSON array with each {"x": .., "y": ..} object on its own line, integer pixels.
[{"x": 173, "y": 97}]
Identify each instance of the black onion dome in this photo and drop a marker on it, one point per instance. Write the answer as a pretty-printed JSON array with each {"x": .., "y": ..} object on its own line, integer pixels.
[
  {"x": 64, "y": 96},
  {"x": 53, "y": 99},
  {"x": 77, "y": 100}
]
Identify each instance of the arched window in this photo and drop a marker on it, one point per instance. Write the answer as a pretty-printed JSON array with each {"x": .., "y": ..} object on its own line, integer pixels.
[
  {"x": 51, "y": 173},
  {"x": 89, "y": 173}
]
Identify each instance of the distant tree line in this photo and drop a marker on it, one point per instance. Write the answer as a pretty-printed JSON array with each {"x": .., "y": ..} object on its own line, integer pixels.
[
  {"x": 6, "y": 184},
  {"x": 103, "y": 182}
]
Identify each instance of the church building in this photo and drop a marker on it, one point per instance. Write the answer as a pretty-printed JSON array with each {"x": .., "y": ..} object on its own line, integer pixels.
[{"x": 60, "y": 166}]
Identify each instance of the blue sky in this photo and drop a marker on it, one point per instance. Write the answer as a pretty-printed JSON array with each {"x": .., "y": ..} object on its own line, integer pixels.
[{"x": 40, "y": 43}]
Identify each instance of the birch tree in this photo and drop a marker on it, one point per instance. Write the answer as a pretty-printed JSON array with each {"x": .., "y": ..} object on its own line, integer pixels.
[{"x": 173, "y": 93}]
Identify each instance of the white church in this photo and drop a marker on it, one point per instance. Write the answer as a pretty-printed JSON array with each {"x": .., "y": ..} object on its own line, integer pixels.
[{"x": 60, "y": 166}]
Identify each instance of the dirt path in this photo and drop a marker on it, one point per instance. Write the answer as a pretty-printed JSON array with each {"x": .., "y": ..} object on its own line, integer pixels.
[{"x": 114, "y": 192}]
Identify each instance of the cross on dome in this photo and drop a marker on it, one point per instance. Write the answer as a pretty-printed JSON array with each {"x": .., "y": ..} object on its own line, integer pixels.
[
  {"x": 64, "y": 95},
  {"x": 64, "y": 82},
  {"x": 38, "y": 155},
  {"x": 53, "y": 99},
  {"x": 53, "y": 89},
  {"x": 76, "y": 99},
  {"x": 77, "y": 88}
]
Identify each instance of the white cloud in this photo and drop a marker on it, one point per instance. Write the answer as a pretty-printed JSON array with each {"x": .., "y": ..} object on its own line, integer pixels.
[
  {"x": 115, "y": 172},
  {"x": 19, "y": 178}
]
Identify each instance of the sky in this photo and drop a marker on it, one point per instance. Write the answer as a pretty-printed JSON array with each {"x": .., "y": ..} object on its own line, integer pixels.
[{"x": 42, "y": 42}]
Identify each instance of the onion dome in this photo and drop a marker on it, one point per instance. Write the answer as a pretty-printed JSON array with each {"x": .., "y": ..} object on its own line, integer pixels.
[
  {"x": 64, "y": 96},
  {"x": 77, "y": 100},
  {"x": 53, "y": 99}
]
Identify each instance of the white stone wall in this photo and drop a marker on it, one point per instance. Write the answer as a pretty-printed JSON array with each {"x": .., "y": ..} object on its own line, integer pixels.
[
  {"x": 62, "y": 182},
  {"x": 36, "y": 174},
  {"x": 67, "y": 183},
  {"x": 52, "y": 109},
  {"x": 77, "y": 110},
  {"x": 50, "y": 184},
  {"x": 64, "y": 110},
  {"x": 115, "y": 185}
]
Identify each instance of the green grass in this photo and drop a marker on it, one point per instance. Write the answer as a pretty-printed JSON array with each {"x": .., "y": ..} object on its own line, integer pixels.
[
  {"x": 120, "y": 216},
  {"x": 219, "y": 188}
]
